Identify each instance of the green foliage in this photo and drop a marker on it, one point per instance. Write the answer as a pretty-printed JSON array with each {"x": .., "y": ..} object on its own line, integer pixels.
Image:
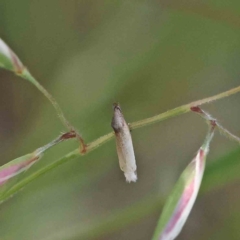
[{"x": 147, "y": 56}]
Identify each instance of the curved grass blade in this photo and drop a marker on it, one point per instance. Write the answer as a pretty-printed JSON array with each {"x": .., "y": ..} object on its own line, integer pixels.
[{"x": 183, "y": 196}]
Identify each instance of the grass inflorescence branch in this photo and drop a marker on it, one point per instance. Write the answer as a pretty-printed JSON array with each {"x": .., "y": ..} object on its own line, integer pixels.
[{"x": 103, "y": 139}]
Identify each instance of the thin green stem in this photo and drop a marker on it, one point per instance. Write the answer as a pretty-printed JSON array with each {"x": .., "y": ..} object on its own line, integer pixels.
[
  {"x": 228, "y": 134},
  {"x": 100, "y": 141},
  {"x": 28, "y": 76},
  {"x": 182, "y": 109}
]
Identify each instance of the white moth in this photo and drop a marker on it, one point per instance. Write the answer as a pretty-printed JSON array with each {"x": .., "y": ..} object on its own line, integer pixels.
[{"x": 124, "y": 144}]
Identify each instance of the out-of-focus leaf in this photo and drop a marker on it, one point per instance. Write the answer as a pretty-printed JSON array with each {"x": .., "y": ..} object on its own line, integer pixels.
[{"x": 183, "y": 196}]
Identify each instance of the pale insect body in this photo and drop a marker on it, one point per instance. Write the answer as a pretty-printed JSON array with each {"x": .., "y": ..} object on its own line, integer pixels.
[{"x": 124, "y": 144}]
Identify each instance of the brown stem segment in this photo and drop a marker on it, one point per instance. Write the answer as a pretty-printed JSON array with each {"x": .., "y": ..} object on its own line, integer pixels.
[{"x": 83, "y": 146}]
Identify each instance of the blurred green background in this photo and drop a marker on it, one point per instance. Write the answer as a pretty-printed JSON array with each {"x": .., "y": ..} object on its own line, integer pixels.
[{"x": 150, "y": 56}]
